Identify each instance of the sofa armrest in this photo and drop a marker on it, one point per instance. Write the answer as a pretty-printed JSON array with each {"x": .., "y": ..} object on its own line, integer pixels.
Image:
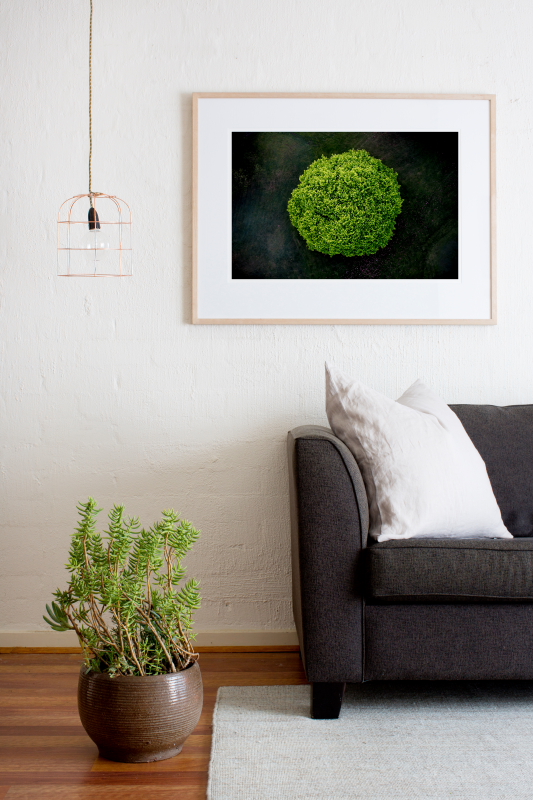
[{"x": 329, "y": 522}]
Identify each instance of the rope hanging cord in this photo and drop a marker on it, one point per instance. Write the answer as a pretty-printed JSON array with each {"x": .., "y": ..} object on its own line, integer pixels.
[
  {"x": 94, "y": 222},
  {"x": 91, "y": 105}
]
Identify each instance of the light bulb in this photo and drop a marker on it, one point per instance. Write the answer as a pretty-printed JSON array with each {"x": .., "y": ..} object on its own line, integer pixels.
[{"x": 95, "y": 245}]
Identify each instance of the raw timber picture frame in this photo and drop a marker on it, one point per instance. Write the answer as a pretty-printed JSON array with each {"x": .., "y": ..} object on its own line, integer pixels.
[{"x": 343, "y": 209}]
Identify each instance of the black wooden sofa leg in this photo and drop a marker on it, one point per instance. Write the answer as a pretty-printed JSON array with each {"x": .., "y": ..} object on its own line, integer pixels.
[{"x": 326, "y": 700}]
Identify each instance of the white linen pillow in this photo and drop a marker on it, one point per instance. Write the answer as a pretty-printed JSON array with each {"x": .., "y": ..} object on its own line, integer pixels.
[{"x": 423, "y": 475}]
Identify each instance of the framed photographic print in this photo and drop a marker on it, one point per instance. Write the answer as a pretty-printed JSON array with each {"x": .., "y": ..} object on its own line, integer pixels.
[{"x": 343, "y": 209}]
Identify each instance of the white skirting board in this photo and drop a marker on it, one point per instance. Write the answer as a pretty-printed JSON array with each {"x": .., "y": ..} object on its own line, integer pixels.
[{"x": 228, "y": 638}]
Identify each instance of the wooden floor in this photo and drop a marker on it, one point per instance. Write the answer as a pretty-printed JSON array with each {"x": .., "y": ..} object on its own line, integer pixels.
[{"x": 46, "y": 754}]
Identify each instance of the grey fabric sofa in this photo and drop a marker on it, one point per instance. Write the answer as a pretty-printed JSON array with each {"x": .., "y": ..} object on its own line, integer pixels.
[{"x": 415, "y": 609}]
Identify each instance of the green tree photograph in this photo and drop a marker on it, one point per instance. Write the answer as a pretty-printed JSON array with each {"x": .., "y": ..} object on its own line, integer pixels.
[{"x": 345, "y": 205}]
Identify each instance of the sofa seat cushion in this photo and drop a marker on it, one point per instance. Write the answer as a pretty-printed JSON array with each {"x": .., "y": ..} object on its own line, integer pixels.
[{"x": 450, "y": 570}]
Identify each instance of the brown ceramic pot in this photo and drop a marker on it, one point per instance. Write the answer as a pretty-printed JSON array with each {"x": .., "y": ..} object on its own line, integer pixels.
[{"x": 144, "y": 718}]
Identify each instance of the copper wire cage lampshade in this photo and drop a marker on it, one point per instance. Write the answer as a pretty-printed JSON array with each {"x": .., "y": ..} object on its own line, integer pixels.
[
  {"x": 94, "y": 229},
  {"x": 94, "y": 237}
]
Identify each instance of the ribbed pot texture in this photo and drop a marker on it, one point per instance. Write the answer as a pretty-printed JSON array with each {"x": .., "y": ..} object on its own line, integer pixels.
[{"x": 144, "y": 718}]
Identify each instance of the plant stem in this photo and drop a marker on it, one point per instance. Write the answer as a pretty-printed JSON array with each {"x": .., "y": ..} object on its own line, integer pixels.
[
  {"x": 133, "y": 655},
  {"x": 157, "y": 636}
]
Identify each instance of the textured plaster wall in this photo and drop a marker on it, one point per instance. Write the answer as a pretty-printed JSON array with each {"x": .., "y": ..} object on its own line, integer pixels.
[{"x": 106, "y": 387}]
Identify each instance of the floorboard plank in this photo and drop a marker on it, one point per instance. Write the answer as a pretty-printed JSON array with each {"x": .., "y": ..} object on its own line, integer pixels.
[
  {"x": 23, "y": 792},
  {"x": 41, "y": 730},
  {"x": 44, "y": 740}
]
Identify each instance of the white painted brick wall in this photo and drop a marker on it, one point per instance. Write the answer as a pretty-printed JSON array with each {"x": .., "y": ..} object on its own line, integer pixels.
[{"x": 106, "y": 389}]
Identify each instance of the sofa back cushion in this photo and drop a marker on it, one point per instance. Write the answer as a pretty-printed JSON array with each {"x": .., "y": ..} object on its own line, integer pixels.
[
  {"x": 422, "y": 473},
  {"x": 503, "y": 435}
]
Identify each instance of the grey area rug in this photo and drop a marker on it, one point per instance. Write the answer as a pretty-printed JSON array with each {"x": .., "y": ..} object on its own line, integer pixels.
[{"x": 393, "y": 741}]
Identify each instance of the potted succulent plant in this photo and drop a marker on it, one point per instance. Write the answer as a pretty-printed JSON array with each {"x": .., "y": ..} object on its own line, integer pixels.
[{"x": 140, "y": 688}]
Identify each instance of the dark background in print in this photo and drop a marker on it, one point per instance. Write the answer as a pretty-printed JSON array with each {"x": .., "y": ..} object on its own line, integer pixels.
[{"x": 266, "y": 167}]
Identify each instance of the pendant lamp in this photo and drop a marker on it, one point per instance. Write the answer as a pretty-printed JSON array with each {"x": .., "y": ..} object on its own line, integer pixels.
[{"x": 94, "y": 229}]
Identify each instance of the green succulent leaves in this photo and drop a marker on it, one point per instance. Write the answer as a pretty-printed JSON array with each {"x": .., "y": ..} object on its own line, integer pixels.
[
  {"x": 346, "y": 204},
  {"x": 123, "y": 599}
]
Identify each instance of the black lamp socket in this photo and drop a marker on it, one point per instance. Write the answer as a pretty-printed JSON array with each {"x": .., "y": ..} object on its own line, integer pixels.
[{"x": 94, "y": 222}]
